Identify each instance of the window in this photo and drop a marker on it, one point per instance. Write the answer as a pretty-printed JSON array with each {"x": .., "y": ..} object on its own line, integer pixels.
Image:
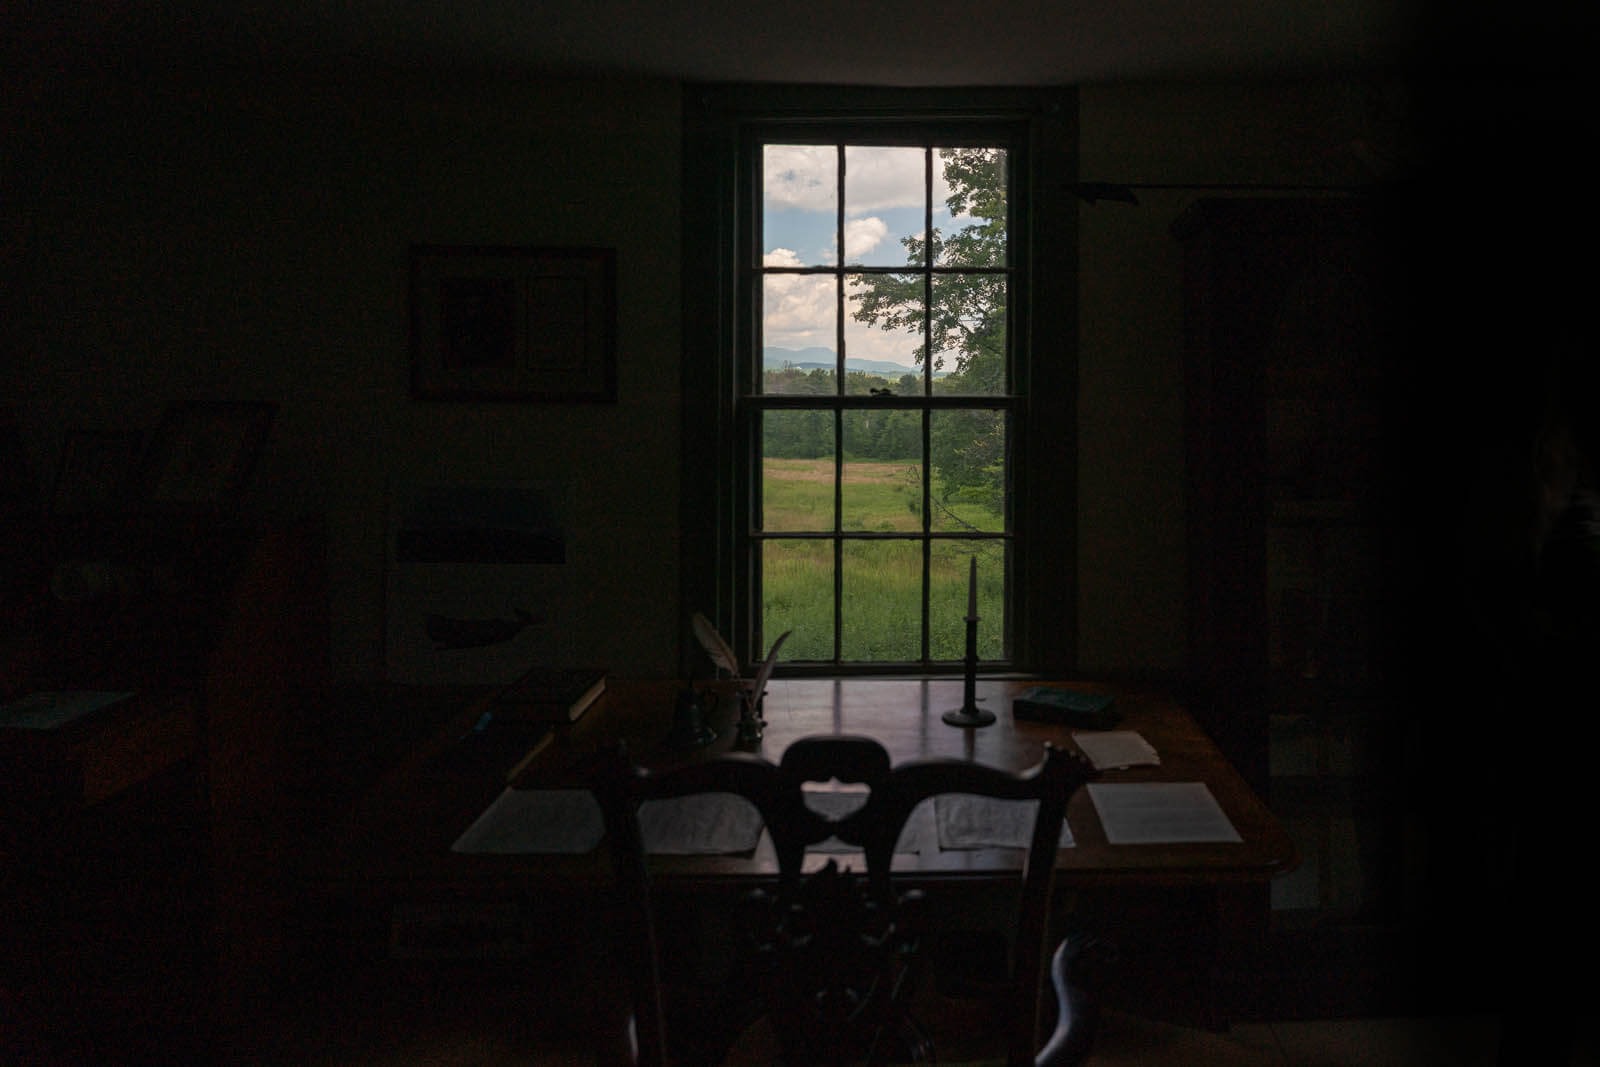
[{"x": 867, "y": 396}]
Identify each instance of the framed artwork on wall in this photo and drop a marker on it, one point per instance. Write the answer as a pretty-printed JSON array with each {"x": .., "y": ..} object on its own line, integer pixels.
[
  {"x": 203, "y": 453},
  {"x": 506, "y": 322}
]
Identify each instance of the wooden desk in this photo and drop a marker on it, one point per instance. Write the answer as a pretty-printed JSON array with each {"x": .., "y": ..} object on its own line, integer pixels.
[
  {"x": 401, "y": 835},
  {"x": 393, "y": 856}
]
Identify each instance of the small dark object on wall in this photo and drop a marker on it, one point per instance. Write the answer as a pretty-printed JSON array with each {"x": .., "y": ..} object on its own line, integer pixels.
[
  {"x": 97, "y": 473},
  {"x": 449, "y": 633}
]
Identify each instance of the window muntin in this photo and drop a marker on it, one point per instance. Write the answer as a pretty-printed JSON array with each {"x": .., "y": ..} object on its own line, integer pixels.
[{"x": 880, "y": 472}]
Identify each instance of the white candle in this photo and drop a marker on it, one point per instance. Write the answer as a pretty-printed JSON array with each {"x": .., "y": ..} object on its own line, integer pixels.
[{"x": 972, "y": 590}]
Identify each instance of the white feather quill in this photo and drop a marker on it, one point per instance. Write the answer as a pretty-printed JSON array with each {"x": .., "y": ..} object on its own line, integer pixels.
[
  {"x": 719, "y": 650},
  {"x": 759, "y": 685}
]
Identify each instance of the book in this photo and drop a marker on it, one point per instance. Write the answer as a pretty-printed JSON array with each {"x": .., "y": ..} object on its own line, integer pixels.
[
  {"x": 495, "y": 744},
  {"x": 1069, "y": 707},
  {"x": 557, "y": 695}
]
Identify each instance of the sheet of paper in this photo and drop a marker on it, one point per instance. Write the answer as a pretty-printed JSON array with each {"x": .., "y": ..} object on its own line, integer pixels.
[
  {"x": 702, "y": 824},
  {"x": 535, "y": 820},
  {"x": 968, "y": 821},
  {"x": 1160, "y": 813},
  {"x": 569, "y": 821},
  {"x": 1116, "y": 748}
]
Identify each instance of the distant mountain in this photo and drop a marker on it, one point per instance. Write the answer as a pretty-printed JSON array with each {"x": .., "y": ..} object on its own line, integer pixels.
[{"x": 812, "y": 358}]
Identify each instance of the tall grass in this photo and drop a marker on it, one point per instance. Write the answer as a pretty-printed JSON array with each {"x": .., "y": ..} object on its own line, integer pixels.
[{"x": 881, "y": 581}]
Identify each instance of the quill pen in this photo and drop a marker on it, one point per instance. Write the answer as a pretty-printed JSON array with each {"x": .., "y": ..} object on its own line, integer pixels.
[
  {"x": 760, "y": 683},
  {"x": 718, "y": 649}
]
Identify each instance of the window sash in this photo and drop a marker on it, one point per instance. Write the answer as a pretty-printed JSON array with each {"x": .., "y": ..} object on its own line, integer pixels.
[{"x": 757, "y": 404}]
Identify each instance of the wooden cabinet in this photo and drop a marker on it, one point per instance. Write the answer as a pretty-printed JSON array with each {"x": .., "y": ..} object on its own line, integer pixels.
[{"x": 1284, "y": 378}]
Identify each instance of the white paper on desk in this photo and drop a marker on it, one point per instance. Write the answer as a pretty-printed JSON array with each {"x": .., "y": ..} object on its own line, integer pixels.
[
  {"x": 569, "y": 821},
  {"x": 970, "y": 821},
  {"x": 535, "y": 820},
  {"x": 700, "y": 824},
  {"x": 835, "y": 804},
  {"x": 1160, "y": 813},
  {"x": 1116, "y": 748}
]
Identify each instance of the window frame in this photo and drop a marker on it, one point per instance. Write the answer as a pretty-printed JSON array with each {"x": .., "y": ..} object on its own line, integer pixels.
[{"x": 721, "y": 329}]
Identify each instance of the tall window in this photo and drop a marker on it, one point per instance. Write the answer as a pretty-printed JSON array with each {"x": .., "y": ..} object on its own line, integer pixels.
[
  {"x": 876, "y": 418},
  {"x": 881, "y": 417}
]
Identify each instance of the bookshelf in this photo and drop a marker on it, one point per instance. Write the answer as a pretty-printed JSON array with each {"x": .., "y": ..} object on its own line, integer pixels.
[{"x": 1284, "y": 435}]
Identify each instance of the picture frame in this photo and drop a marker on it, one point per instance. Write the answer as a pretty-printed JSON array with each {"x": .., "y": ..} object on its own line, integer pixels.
[
  {"x": 204, "y": 452},
  {"x": 513, "y": 323},
  {"x": 98, "y": 473}
]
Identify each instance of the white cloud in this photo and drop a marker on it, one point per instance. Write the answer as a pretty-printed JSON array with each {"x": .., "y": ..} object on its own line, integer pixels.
[
  {"x": 780, "y": 257},
  {"x": 797, "y": 309},
  {"x": 800, "y": 176},
  {"x": 863, "y": 235},
  {"x": 879, "y": 179}
]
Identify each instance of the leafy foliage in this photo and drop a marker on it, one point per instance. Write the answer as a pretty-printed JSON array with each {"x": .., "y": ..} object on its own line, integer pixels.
[{"x": 964, "y": 322}]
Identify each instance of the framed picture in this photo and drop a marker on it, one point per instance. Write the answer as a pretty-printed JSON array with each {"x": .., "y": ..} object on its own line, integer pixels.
[
  {"x": 203, "y": 454},
  {"x": 513, "y": 323},
  {"x": 98, "y": 472}
]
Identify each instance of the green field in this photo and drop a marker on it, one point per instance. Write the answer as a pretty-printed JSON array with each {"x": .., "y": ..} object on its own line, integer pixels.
[{"x": 882, "y": 580}]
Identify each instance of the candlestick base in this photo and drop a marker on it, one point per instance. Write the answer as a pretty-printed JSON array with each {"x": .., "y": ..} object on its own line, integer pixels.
[{"x": 971, "y": 715}]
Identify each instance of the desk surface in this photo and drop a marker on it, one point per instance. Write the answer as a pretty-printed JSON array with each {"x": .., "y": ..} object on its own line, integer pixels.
[{"x": 400, "y": 835}]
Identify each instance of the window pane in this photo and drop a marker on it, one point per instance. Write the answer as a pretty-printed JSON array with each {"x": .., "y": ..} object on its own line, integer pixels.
[
  {"x": 969, "y": 334},
  {"x": 797, "y": 595},
  {"x": 968, "y": 454},
  {"x": 949, "y": 574},
  {"x": 800, "y": 205},
  {"x": 797, "y": 471},
  {"x": 885, "y": 193},
  {"x": 882, "y": 490},
  {"x": 798, "y": 313},
  {"x": 882, "y": 610},
  {"x": 969, "y": 211},
  {"x": 883, "y": 328}
]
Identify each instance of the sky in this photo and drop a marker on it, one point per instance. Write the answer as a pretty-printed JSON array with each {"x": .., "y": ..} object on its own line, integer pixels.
[{"x": 884, "y": 202}]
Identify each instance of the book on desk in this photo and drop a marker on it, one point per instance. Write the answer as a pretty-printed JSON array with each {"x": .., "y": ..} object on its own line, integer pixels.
[
  {"x": 1067, "y": 707},
  {"x": 516, "y": 721},
  {"x": 554, "y": 695}
]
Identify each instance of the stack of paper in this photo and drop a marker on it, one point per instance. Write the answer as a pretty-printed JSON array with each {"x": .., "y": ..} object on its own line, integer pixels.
[
  {"x": 1160, "y": 813},
  {"x": 1111, "y": 749}
]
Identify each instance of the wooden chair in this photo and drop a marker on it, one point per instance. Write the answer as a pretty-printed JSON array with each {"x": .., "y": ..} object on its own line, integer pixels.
[{"x": 834, "y": 956}]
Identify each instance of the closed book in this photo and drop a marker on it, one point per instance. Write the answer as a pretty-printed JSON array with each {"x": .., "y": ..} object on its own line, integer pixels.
[
  {"x": 497, "y": 744},
  {"x": 1069, "y": 707},
  {"x": 553, "y": 695}
]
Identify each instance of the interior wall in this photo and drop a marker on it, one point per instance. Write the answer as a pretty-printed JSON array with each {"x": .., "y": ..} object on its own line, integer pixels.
[
  {"x": 238, "y": 236},
  {"x": 220, "y": 235},
  {"x": 1131, "y": 551}
]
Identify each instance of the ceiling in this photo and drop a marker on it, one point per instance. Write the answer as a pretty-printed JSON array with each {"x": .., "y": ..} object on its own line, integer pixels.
[{"x": 866, "y": 42}]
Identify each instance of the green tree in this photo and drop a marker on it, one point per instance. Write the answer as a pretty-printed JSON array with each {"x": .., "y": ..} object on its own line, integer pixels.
[{"x": 963, "y": 324}]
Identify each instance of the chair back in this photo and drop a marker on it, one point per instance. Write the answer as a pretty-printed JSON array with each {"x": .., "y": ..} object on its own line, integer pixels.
[{"x": 832, "y": 955}]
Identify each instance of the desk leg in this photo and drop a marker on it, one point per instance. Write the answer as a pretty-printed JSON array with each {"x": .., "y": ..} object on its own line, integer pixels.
[{"x": 1241, "y": 919}]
